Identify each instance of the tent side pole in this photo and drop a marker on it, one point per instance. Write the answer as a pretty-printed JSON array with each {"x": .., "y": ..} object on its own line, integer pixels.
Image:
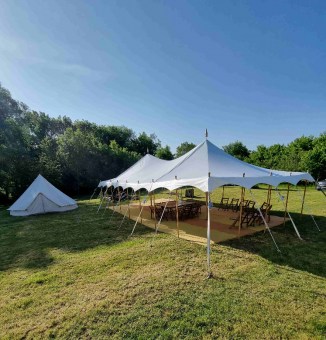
[
  {"x": 119, "y": 194},
  {"x": 286, "y": 203},
  {"x": 241, "y": 208},
  {"x": 154, "y": 209},
  {"x": 177, "y": 210},
  {"x": 128, "y": 203},
  {"x": 209, "y": 273},
  {"x": 304, "y": 196},
  {"x": 223, "y": 191},
  {"x": 140, "y": 208},
  {"x": 206, "y": 206}
]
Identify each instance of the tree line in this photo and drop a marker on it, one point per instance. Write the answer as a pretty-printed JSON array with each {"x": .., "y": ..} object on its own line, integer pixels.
[{"x": 76, "y": 155}]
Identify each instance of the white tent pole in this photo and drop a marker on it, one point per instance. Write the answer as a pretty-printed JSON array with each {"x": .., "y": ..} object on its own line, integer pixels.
[
  {"x": 294, "y": 226},
  {"x": 209, "y": 273},
  {"x": 266, "y": 224}
]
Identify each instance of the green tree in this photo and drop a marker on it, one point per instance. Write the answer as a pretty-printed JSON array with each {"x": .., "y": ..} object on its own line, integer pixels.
[
  {"x": 183, "y": 148},
  {"x": 237, "y": 149},
  {"x": 315, "y": 159},
  {"x": 145, "y": 144},
  {"x": 164, "y": 153}
]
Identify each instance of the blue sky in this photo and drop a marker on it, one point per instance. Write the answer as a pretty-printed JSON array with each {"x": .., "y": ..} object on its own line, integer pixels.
[{"x": 253, "y": 71}]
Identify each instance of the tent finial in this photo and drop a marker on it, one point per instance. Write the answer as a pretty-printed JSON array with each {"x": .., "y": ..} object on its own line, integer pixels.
[{"x": 206, "y": 134}]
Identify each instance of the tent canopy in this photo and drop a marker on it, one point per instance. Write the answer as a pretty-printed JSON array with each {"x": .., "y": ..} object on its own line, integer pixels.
[
  {"x": 41, "y": 197},
  {"x": 205, "y": 167}
]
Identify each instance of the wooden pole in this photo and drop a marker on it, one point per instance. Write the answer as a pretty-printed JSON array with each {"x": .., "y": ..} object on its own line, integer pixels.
[
  {"x": 119, "y": 193},
  {"x": 223, "y": 191},
  {"x": 286, "y": 202},
  {"x": 241, "y": 205},
  {"x": 129, "y": 203},
  {"x": 154, "y": 209},
  {"x": 177, "y": 210},
  {"x": 304, "y": 196},
  {"x": 141, "y": 220},
  {"x": 269, "y": 194}
]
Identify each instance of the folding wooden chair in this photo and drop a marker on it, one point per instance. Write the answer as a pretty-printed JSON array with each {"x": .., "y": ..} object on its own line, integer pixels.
[{"x": 223, "y": 204}]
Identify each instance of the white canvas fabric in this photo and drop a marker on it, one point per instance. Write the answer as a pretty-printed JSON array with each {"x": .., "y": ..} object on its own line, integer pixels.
[
  {"x": 206, "y": 167},
  {"x": 41, "y": 197}
]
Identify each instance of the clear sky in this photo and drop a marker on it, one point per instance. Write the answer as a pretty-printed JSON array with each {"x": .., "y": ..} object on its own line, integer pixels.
[{"x": 253, "y": 71}]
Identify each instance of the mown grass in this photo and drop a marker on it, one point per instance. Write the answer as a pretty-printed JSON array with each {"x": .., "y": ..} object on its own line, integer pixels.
[{"x": 75, "y": 275}]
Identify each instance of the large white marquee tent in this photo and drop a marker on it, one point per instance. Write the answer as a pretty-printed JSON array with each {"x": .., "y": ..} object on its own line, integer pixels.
[
  {"x": 41, "y": 197},
  {"x": 206, "y": 167}
]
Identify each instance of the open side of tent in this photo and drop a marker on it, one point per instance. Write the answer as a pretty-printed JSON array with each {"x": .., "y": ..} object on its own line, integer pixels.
[{"x": 42, "y": 197}]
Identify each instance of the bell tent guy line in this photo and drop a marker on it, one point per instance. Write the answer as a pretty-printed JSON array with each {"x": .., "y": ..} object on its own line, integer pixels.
[{"x": 205, "y": 167}]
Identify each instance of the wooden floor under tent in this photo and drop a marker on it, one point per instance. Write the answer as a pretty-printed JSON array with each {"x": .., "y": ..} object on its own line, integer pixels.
[{"x": 195, "y": 229}]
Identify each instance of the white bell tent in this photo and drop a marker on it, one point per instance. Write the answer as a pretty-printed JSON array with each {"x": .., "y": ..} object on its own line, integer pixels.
[
  {"x": 41, "y": 197},
  {"x": 205, "y": 167}
]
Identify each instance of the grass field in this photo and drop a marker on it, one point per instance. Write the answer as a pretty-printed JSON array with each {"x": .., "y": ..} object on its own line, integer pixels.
[{"x": 75, "y": 275}]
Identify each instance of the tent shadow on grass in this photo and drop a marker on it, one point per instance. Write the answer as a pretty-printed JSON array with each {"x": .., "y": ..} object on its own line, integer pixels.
[
  {"x": 308, "y": 255},
  {"x": 26, "y": 242}
]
